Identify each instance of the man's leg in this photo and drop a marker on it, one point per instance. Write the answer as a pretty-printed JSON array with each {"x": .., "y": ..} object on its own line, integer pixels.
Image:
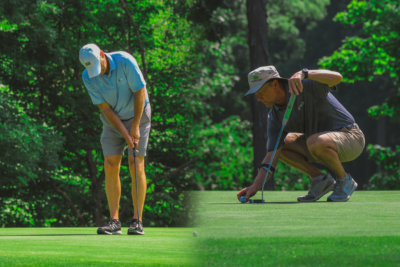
[
  {"x": 112, "y": 166},
  {"x": 113, "y": 189},
  {"x": 293, "y": 155},
  {"x": 142, "y": 183},
  {"x": 323, "y": 148}
]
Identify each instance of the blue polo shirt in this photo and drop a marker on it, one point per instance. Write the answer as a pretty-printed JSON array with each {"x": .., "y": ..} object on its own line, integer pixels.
[{"x": 118, "y": 87}]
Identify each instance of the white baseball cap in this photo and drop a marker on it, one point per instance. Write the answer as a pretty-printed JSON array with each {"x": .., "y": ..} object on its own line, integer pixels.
[
  {"x": 89, "y": 56},
  {"x": 258, "y": 77}
]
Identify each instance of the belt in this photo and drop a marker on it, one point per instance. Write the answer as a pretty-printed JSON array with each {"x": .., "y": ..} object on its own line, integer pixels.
[
  {"x": 352, "y": 127},
  {"x": 127, "y": 119}
]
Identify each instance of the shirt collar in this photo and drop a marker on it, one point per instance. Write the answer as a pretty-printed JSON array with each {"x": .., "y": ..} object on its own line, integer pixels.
[
  {"x": 113, "y": 66},
  {"x": 279, "y": 107}
]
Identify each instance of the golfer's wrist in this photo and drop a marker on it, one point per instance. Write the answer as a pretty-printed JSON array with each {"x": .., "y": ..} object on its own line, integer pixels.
[
  {"x": 259, "y": 180},
  {"x": 135, "y": 123},
  {"x": 302, "y": 75},
  {"x": 126, "y": 135}
]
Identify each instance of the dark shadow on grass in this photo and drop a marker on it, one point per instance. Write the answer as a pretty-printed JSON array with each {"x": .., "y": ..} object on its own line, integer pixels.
[
  {"x": 51, "y": 235},
  {"x": 290, "y": 202}
]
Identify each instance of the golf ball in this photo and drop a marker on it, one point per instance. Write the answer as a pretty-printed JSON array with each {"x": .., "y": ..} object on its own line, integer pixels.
[
  {"x": 243, "y": 199},
  {"x": 195, "y": 234}
]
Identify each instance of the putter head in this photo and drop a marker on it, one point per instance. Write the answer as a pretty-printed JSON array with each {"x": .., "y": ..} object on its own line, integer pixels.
[{"x": 257, "y": 201}]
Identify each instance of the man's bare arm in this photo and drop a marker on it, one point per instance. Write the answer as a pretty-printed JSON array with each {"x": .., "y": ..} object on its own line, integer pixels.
[
  {"x": 331, "y": 78},
  {"x": 115, "y": 121},
  {"x": 250, "y": 191},
  {"x": 261, "y": 174},
  {"x": 140, "y": 98}
]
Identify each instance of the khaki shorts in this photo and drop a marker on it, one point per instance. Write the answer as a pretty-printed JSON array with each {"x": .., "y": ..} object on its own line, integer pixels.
[
  {"x": 350, "y": 143},
  {"x": 113, "y": 143}
]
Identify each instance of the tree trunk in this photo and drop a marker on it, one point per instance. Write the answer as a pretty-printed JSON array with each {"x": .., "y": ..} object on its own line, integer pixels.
[
  {"x": 95, "y": 187},
  {"x": 69, "y": 202},
  {"x": 259, "y": 56},
  {"x": 381, "y": 135}
]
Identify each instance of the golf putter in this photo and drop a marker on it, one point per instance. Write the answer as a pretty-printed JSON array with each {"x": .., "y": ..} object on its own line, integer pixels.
[
  {"x": 284, "y": 122},
  {"x": 137, "y": 190}
]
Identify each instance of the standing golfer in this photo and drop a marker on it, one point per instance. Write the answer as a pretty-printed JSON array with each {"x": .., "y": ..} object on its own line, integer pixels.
[
  {"x": 116, "y": 85},
  {"x": 319, "y": 130}
]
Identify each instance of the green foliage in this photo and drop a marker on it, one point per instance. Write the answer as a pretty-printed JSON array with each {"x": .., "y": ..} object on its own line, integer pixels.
[
  {"x": 374, "y": 51},
  {"x": 283, "y": 25},
  {"x": 389, "y": 164},
  {"x": 28, "y": 150},
  {"x": 288, "y": 178},
  {"x": 377, "y": 111},
  {"x": 224, "y": 152},
  {"x": 28, "y": 160}
]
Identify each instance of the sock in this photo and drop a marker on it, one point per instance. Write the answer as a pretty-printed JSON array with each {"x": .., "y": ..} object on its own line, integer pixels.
[
  {"x": 318, "y": 178},
  {"x": 342, "y": 179}
]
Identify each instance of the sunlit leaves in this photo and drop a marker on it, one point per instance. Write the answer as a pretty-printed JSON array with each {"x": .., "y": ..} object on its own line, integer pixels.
[{"x": 388, "y": 160}]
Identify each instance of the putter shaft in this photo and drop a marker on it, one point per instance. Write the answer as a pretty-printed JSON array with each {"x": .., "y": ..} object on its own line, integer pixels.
[
  {"x": 285, "y": 120},
  {"x": 137, "y": 190}
]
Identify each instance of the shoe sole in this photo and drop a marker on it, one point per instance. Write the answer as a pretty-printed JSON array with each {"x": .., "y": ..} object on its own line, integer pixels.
[
  {"x": 328, "y": 189},
  {"x": 102, "y": 232},
  {"x": 348, "y": 197},
  {"x": 135, "y": 232}
]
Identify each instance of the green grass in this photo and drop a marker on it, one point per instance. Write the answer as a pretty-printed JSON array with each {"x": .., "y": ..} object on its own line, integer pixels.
[
  {"x": 365, "y": 231},
  {"x": 362, "y": 232},
  {"x": 83, "y": 247}
]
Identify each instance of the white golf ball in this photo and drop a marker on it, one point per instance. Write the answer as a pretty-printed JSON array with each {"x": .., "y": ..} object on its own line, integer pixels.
[{"x": 195, "y": 234}]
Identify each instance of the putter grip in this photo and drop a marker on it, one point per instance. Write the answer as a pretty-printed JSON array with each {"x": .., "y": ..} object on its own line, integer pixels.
[{"x": 288, "y": 109}]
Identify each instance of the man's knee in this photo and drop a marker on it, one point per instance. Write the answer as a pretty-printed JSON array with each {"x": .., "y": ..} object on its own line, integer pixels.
[
  {"x": 112, "y": 164},
  {"x": 288, "y": 140},
  {"x": 317, "y": 144},
  {"x": 139, "y": 163}
]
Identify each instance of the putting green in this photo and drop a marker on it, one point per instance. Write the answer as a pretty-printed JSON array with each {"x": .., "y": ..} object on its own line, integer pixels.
[
  {"x": 83, "y": 247},
  {"x": 365, "y": 231}
]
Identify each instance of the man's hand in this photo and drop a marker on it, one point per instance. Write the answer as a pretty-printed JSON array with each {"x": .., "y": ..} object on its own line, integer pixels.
[
  {"x": 295, "y": 85},
  {"x": 247, "y": 192},
  {"x": 129, "y": 141},
  {"x": 135, "y": 134}
]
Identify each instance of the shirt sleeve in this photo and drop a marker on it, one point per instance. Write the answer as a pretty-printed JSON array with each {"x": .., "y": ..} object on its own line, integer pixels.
[
  {"x": 317, "y": 89},
  {"x": 95, "y": 95},
  {"x": 134, "y": 74}
]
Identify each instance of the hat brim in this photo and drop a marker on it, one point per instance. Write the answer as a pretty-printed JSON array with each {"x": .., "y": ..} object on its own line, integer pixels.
[
  {"x": 95, "y": 70},
  {"x": 254, "y": 89}
]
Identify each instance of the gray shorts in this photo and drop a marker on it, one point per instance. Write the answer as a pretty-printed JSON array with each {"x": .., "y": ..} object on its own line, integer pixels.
[
  {"x": 350, "y": 143},
  {"x": 113, "y": 143}
]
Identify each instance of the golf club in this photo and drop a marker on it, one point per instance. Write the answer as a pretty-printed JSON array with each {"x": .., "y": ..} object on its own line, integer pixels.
[
  {"x": 137, "y": 190},
  {"x": 284, "y": 122}
]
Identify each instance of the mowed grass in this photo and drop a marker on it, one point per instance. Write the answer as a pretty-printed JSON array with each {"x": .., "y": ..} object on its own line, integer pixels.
[
  {"x": 365, "y": 231},
  {"x": 83, "y": 247}
]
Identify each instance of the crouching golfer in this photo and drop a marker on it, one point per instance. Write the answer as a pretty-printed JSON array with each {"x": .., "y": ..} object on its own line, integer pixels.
[
  {"x": 116, "y": 85},
  {"x": 319, "y": 130}
]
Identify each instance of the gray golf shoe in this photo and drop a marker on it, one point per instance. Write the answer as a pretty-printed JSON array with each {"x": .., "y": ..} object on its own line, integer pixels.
[
  {"x": 319, "y": 187},
  {"x": 343, "y": 189}
]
